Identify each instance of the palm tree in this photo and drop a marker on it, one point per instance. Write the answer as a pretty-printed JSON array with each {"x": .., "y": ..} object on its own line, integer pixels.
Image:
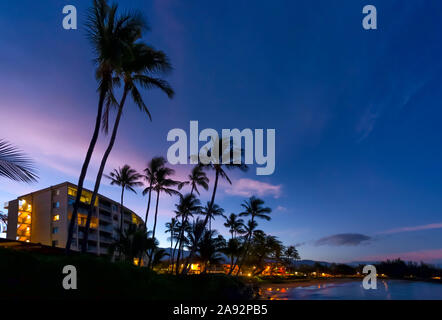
[
  {"x": 216, "y": 211},
  {"x": 249, "y": 229},
  {"x": 209, "y": 249},
  {"x": 234, "y": 224},
  {"x": 132, "y": 242},
  {"x": 185, "y": 208},
  {"x": 110, "y": 35},
  {"x": 225, "y": 148},
  {"x": 158, "y": 256},
  {"x": 254, "y": 208},
  {"x": 139, "y": 67},
  {"x": 150, "y": 176},
  {"x": 197, "y": 178},
  {"x": 14, "y": 164},
  {"x": 163, "y": 184},
  {"x": 127, "y": 178},
  {"x": 232, "y": 249},
  {"x": 171, "y": 227}
]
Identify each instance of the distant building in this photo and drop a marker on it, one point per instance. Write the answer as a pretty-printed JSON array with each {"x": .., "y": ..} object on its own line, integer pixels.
[{"x": 43, "y": 217}]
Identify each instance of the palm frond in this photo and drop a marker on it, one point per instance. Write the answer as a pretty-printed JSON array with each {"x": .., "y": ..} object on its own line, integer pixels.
[{"x": 15, "y": 165}]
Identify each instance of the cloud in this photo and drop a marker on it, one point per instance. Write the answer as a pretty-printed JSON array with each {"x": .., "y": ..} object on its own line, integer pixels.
[
  {"x": 343, "y": 239},
  {"x": 426, "y": 255},
  {"x": 281, "y": 208},
  {"x": 415, "y": 228},
  {"x": 248, "y": 187}
]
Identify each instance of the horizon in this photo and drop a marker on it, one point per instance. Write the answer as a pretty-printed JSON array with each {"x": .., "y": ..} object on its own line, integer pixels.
[{"x": 358, "y": 158}]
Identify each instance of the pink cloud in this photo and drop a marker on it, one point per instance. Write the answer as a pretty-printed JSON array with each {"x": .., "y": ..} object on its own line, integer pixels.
[
  {"x": 248, "y": 187},
  {"x": 415, "y": 228},
  {"x": 421, "y": 255}
]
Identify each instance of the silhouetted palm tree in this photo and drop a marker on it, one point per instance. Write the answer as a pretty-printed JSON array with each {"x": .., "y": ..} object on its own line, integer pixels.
[
  {"x": 133, "y": 242},
  {"x": 249, "y": 228},
  {"x": 254, "y": 208},
  {"x": 127, "y": 178},
  {"x": 187, "y": 206},
  {"x": 110, "y": 36},
  {"x": 163, "y": 184},
  {"x": 139, "y": 67},
  {"x": 172, "y": 228},
  {"x": 15, "y": 165},
  {"x": 225, "y": 149},
  {"x": 232, "y": 249},
  {"x": 158, "y": 256},
  {"x": 150, "y": 175},
  {"x": 209, "y": 249},
  {"x": 212, "y": 213},
  {"x": 197, "y": 178},
  {"x": 234, "y": 224}
]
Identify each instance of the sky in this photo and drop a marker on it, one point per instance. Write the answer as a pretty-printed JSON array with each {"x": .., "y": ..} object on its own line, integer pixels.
[{"x": 358, "y": 159}]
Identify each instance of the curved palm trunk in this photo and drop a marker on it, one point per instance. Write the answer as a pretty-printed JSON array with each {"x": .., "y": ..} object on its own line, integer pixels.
[
  {"x": 245, "y": 252},
  {"x": 85, "y": 167},
  {"x": 148, "y": 205},
  {"x": 154, "y": 228},
  {"x": 102, "y": 165},
  {"x": 212, "y": 200}
]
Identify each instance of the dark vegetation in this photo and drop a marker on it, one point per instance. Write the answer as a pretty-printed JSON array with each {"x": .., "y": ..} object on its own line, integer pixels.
[{"x": 30, "y": 275}]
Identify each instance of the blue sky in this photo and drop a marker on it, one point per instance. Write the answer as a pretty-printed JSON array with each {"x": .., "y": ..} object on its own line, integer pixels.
[{"x": 356, "y": 112}]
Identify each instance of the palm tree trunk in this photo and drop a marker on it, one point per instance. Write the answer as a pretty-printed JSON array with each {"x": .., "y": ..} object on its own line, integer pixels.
[
  {"x": 102, "y": 165},
  {"x": 156, "y": 215},
  {"x": 192, "y": 251},
  {"x": 154, "y": 228},
  {"x": 148, "y": 205},
  {"x": 85, "y": 166},
  {"x": 121, "y": 211},
  {"x": 179, "y": 243},
  {"x": 241, "y": 262}
]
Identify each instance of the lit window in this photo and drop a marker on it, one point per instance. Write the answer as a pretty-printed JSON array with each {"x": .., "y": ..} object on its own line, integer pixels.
[
  {"x": 56, "y": 217},
  {"x": 56, "y": 205},
  {"x": 55, "y": 230}
]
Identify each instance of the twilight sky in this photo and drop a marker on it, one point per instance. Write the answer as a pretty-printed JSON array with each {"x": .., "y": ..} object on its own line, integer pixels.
[{"x": 358, "y": 158}]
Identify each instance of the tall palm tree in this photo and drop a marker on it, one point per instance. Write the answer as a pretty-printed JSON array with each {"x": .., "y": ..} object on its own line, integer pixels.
[
  {"x": 172, "y": 228},
  {"x": 250, "y": 229},
  {"x": 150, "y": 175},
  {"x": 196, "y": 178},
  {"x": 126, "y": 178},
  {"x": 225, "y": 148},
  {"x": 232, "y": 250},
  {"x": 212, "y": 213},
  {"x": 15, "y": 165},
  {"x": 187, "y": 206},
  {"x": 234, "y": 224},
  {"x": 139, "y": 68},
  {"x": 163, "y": 184},
  {"x": 110, "y": 35},
  {"x": 254, "y": 208}
]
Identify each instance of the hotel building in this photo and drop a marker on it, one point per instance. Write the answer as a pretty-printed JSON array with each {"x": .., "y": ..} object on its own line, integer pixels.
[{"x": 43, "y": 217}]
